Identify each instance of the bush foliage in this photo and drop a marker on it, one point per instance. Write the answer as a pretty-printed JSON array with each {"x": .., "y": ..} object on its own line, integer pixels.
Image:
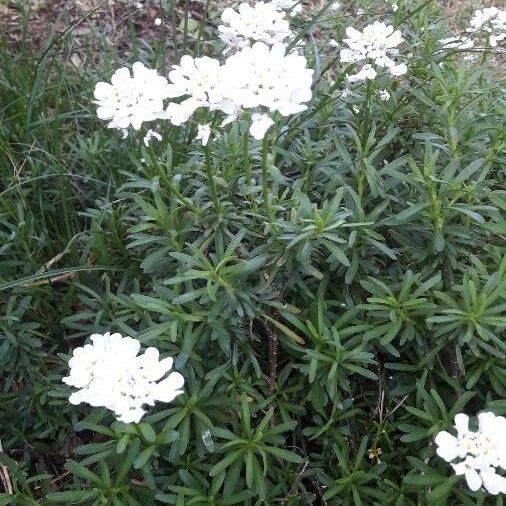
[{"x": 324, "y": 339}]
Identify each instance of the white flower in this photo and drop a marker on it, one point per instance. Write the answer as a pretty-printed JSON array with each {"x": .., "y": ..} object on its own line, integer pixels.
[
  {"x": 457, "y": 43},
  {"x": 481, "y": 453},
  {"x": 360, "y": 12},
  {"x": 260, "y": 76},
  {"x": 334, "y": 6},
  {"x": 260, "y": 123},
  {"x": 491, "y": 21},
  {"x": 292, "y": 6},
  {"x": 375, "y": 45},
  {"x": 263, "y": 22},
  {"x": 333, "y": 43},
  {"x": 345, "y": 93},
  {"x": 384, "y": 95},
  {"x": 366, "y": 72},
  {"x": 494, "y": 483},
  {"x": 151, "y": 134},
  {"x": 157, "y": 22},
  {"x": 202, "y": 80},
  {"x": 203, "y": 133},
  {"x": 395, "y": 6},
  {"x": 110, "y": 373},
  {"x": 131, "y": 99},
  {"x": 468, "y": 467}
]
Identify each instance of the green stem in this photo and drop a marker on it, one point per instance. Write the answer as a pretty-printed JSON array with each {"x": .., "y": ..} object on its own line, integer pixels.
[
  {"x": 168, "y": 183},
  {"x": 210, "y": 178},
  {"x": 247, "y": 162},
  {"x": 364, "y": 135},
  {"x": 265, "y": 178}
]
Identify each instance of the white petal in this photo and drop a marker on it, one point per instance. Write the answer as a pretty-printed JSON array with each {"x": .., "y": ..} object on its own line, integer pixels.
[
  {"x": 447, "y": 446},
  {"x": 493, "y": 482},
  {"x": 473, "y": 479}
]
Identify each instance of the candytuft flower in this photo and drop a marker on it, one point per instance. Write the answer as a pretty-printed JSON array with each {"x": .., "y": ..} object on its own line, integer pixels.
[
  {"x": 384, "y": 95},
  {"x": 203, "y": 133},
  {"x": 151, "y": 134},
  {"x": 110, "y": 373},
  {"x": 480, "y": 454},
  {"x": 260, "y": 123},
  {"x": 263, "y": 76},
  {"x": 201, "y": 80},
  {"x": 131, "y": 99},
  {"x": 263, "y": 22},
  {"x": 490, "y": 21},
  {"x": 373, "y": 48}
]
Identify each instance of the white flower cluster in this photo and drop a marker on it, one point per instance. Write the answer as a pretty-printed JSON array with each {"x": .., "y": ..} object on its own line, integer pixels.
[
  {"x": 491, "y": 21},
  {"x": 131, "y": 100},
  {"x": 260, "y": 78},
  {"x": 201, "y": 81},
  {"x": 110, "y": 373},
  {"x": 263, "y": 22},
  {"x": 480, "y": 454},
  {"x": 374, "y": 47}
]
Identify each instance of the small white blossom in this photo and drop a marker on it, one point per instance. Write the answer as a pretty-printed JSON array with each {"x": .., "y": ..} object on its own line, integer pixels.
[
  {"x": 263, "y": 76},
  {"x": 157, "y": 22},
  {"x": 260, "y": 123},
  {"x": 334, "y": 6},
  {"x": 395, "y": 6},
  {"x": 481, "y": 453},
  {"x": 490, "y": 21},
  {"x": 131, "y": 99},
  {"x": 263, "y": 22},
  {"x": 360, "y": 12},
  {"x": 110, "y": 373},
  {"x": 365, "y": 73},
  {"x": 203, "y": 133},
  {"x": 151, "y": 134},
  {"x": 375, "y": 45},
  {"x": 202, "y": 80},
  {"x": 345, "y": 93},
  {"x": 384, "y": 95}
]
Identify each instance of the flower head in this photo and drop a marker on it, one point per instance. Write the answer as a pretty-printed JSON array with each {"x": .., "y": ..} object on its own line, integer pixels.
[
  {"x": 131, "y": 99},
  {"x": 375, "y": 46},
  {"x": 492, "y": 22},
  {"x": 384, "y": 95},
  {"x": 151, "y": 134},
  {"x": 203, "y": 133},
  {"x": 477, "y": 455},
  {"x": 260, "y": 123},
  {"x": 263, "y": 76},
  {"x": 110, "y": 373},
  {"x": 263, "y": 22}
]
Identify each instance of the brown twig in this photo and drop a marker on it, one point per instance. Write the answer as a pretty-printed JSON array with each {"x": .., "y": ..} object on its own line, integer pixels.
[
  {"x": 4, "y": 476},
  {"x": 273, "y": 358},
  {"x": 294, "y": 484}
]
